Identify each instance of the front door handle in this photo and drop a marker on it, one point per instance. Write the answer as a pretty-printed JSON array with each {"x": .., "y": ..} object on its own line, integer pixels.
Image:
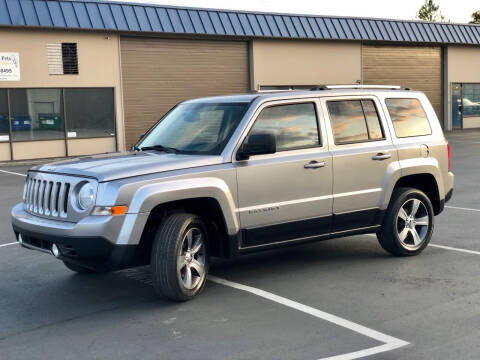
[
  {"x": 381, "y": 156},
  {"x": 314, "y": 164}
]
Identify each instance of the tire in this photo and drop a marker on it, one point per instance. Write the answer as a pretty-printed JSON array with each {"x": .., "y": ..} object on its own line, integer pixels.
[
  {"x": 404, "y": 235},
  {"x": 179, "y": 258},
  {"x": 77, "y": 268}
]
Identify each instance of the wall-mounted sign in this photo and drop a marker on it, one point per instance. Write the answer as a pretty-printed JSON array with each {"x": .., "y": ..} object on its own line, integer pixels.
[{"x": 9, "y": 66}]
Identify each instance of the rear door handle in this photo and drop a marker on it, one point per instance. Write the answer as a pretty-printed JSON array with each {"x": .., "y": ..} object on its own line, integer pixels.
[
  {"x": 314, "y": 164},
  {"x": 381, "y": 156}
]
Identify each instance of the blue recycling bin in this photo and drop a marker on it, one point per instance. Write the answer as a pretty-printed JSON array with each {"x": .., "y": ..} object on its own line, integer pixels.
[{"x": 21, "y": 122}]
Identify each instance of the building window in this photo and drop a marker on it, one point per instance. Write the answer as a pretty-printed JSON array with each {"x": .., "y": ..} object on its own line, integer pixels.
[
  {"x": 354, "y": 121},
  {"x": 471, "y": 100},
  {"x": 36, "y": 114},
  {"x": 4, "y": 126},
  {"x": 408, "y": 117},
  {"x": 294, "y": 126},
  {"x": 90, "y": 112}
]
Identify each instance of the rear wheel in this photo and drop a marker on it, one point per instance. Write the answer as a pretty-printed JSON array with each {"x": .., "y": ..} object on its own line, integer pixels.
[
  {"x": 179, "y": 261},
  {"x": 77, "y": 268},
  {"x": 408, "y": 224}
]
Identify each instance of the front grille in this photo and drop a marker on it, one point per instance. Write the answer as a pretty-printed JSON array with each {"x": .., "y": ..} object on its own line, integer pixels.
[{"x": 47, "y": 197}]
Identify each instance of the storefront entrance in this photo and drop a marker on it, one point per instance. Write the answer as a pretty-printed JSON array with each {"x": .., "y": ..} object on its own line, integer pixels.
[{"x": 465, "y": 105}]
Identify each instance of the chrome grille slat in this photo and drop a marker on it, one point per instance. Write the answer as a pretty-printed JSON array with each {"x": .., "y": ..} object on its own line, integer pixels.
[
  {"x": 35, "y": 196},
  {"x": 30, "y": 202},
  {"x": 27, "y": 193},
  {"x": 41, "y": 190},
  {"x": 48, "y": 193},
  {"x": 61, "y": 200}
]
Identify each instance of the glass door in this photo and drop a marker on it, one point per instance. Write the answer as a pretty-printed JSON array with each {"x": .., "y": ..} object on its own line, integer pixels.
[{"x": 457, "y": 108}]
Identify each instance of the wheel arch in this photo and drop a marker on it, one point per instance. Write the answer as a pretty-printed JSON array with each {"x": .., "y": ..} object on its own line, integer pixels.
[
  {"x": 425, "y": 182},
  {"x": 208, "y": 208}
]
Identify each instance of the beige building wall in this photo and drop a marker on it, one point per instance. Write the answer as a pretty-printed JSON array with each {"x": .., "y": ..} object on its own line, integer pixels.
[
  {"x": 463, "y": 66},
  {"x": 297, "y": 62},
  {"x": 98, "y": 64},
  {"x": 89, "y": 147},
  {"x": 4, "y": 151}
]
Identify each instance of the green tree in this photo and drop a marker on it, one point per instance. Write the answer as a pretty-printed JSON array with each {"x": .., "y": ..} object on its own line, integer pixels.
[
  {"x": 475, "y": 17},
  {"x": 430, "y": 12}
]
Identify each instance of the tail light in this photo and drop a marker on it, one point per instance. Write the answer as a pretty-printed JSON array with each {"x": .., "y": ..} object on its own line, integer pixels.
[{"x": 449, "y": 155}]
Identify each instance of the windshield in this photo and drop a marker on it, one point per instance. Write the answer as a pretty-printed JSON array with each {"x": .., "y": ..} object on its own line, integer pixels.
[{"x": 196, "y": 128}]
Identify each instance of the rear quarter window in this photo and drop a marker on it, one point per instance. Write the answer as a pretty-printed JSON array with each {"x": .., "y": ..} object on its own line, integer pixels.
[{"x": 408, "y": 117}]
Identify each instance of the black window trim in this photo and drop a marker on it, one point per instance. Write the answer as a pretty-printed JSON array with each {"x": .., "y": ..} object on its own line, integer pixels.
[
  {"x": 393, "y": 126},
  {"x": 360, "y": 99},
  {"x": 317, "y": 121}
]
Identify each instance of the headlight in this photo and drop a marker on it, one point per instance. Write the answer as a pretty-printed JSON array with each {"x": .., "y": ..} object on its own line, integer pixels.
[{"x": 86, "y": 196}]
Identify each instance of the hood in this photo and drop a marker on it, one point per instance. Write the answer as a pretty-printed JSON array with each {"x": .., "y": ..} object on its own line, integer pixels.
[{"x": 108, "y": 167}]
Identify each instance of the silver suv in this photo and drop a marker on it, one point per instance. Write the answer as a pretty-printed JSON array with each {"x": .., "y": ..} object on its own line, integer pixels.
[{"x": 225, "y": 176}]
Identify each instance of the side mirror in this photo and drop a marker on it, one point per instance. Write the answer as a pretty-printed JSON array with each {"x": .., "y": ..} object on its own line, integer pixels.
[{"x": 257, "y": 144}]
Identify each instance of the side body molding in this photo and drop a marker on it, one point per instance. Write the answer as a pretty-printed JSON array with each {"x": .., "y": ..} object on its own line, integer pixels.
[{"x": 149, "y": 196}]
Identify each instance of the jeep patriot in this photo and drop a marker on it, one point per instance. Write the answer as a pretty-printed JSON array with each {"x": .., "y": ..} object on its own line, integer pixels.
[{"x": 228, "y": 175}]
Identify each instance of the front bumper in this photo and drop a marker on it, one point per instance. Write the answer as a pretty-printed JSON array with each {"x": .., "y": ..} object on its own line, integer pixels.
[{"x": 101, "y": 243}]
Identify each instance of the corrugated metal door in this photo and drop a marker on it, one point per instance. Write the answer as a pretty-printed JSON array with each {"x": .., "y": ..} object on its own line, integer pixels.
[
  {"x": 418, "y": 68},
  {"x": 159, "y": 73}
]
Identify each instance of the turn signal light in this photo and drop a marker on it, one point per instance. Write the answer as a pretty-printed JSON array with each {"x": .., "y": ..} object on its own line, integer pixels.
[{"x": 110, "y": 210}]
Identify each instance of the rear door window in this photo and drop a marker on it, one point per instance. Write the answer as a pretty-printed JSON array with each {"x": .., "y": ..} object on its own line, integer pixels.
[
  {"x": 408, "y": 117},
  {"x": 354, "y": 121}
]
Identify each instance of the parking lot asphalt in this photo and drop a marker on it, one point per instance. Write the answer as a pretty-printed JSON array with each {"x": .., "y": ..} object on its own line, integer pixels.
[{"x": 334, "y": 299}]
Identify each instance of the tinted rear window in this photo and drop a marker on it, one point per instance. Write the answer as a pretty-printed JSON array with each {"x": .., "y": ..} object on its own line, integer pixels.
[
  {"x": 354, "y": 121},
  {"x": 408, "y": 117}
]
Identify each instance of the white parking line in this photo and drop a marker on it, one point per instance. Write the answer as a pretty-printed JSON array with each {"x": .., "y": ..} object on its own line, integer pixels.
[
  {"x": 461, "y": 208},
  {"x": 455, "y": 249},
  {"x": 13, "y": 173},
  {"x": 9, "y": 244},
  {"x": 390, "y": 342}
]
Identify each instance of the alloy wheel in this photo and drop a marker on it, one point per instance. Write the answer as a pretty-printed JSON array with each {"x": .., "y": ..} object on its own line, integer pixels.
[
  {"x": 412, "y": 223},
  {"x": 191, "y": 260}
]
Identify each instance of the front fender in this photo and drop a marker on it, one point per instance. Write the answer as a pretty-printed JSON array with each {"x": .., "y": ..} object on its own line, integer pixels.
[{"x": 149, "y": 196}]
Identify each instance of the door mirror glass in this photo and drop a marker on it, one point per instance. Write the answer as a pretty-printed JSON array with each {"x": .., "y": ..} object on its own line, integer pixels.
[{"x": 257, "y": 144}]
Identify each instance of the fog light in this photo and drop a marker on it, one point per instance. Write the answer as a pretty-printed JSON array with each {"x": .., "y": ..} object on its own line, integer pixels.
[
  {"x": 55, "y": 251},
  {"x": 20, "y": 239}
]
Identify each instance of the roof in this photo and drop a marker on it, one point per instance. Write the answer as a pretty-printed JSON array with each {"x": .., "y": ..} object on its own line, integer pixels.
[{"x": 132, "y": 17}]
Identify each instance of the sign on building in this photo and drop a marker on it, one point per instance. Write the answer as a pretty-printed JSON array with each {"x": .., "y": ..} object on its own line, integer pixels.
[{"x": 9, "y": 66}]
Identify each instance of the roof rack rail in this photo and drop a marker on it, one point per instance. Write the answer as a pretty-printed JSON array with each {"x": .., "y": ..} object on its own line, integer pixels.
[{"x": 356, "y": 86}]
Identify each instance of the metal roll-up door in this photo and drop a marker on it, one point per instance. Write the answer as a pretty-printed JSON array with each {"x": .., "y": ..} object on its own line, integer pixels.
[
  {"x": 415, "y": 67},
  {"x": 159, "y": 73}
]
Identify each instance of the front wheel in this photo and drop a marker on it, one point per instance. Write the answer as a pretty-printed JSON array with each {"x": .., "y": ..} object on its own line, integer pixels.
[
  {"x": 408, "y": 224},
  {"x": 179, "y": 261}
]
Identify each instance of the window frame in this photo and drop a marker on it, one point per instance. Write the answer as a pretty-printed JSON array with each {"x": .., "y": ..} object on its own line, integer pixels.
[
  {"x": 285, "y": 102},
  {"x": 392, "y": 122},
  {"x": 359, "y": 99}
]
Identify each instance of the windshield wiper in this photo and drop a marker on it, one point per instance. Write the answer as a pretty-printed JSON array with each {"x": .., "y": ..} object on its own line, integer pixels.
[{"x": 159, "y": 147}]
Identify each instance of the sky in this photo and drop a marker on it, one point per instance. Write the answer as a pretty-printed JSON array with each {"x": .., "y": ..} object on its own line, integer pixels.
[{"x": 456, "y": 11}]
